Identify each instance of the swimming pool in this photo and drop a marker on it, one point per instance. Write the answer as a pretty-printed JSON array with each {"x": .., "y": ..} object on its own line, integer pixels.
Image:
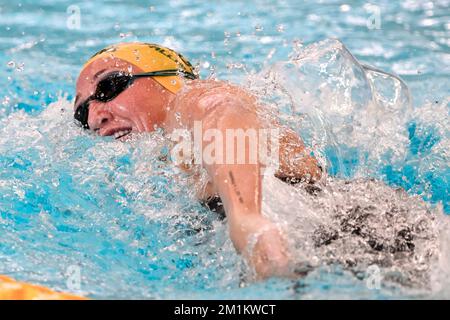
[{"x": 103, "y": 219}]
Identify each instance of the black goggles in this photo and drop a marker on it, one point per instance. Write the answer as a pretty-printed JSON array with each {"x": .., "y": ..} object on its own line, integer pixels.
[{"x": 115, "y": 83}]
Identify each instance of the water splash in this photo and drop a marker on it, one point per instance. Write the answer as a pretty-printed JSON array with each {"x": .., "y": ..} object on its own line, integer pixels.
[
  {"x": 131, "y": 222},
  {"x": 361, "y": 124},
  {"x": 358, "y": 224},
  {"x": 359, "y": 120},
  {"x": 117, "y": 210}
]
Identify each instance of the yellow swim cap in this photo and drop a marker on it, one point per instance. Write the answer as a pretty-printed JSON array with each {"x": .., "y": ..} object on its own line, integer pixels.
[{"x": 150, "y": 58}]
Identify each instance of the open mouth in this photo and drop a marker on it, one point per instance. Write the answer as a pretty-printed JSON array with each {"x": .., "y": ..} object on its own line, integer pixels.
[{"x": 121, "y": 133}]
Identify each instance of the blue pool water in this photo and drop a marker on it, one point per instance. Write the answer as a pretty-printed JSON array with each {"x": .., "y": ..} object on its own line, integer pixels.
[{"x": 75, "y": 204}]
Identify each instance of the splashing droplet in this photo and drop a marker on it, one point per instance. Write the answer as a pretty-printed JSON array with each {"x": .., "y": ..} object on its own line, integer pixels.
[
  {"x": 259, "y": 28},
  {"x": 125, "y": 35},
  {"x": 344, "y": 8},
  {"x": 297, "y": 45},
  {"x": 20, "y": 67},
  {"x": 271, "y": 53},
  {"x": 280, "y": 28},
  {"x": 6, "y": 101}
]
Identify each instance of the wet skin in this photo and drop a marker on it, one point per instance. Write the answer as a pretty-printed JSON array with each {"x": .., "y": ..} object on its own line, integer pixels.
[{"x": 146, "y": 105}]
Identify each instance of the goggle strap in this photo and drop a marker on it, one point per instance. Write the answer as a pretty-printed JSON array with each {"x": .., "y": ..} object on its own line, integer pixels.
[{"x": 166, "y": 73}]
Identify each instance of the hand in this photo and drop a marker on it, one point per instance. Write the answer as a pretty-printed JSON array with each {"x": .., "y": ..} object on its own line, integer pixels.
[
  {"x": 270, "y": 256},
  {"x": 262, "y": 244}
]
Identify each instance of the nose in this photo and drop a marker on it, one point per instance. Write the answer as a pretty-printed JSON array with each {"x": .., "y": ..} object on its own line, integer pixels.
[{"x": 99, "y": 115}]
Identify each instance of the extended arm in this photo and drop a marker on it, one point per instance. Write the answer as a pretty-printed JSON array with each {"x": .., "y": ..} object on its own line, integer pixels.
[
  {"x": 239, "y": 186},
  {"x": 218, "y": 109}
]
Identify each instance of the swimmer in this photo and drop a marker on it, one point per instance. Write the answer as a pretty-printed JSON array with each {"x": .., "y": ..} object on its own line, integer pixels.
[{"x": 140, "y": 87}]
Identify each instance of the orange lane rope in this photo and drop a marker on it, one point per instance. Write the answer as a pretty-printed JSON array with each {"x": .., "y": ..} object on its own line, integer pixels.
[{"x": 13, "y": 290}]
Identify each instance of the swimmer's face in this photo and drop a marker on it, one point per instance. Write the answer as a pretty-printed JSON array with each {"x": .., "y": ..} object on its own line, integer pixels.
[{"x": 140, "y": 107}]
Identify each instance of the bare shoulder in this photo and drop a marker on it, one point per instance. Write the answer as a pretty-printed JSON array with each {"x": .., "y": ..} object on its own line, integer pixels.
[
  {"x": 199, "y": 97},
  {"x": 199, "y": 90}
]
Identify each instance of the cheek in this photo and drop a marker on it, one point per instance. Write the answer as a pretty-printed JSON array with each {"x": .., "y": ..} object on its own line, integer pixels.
[
  {"x": 122, "y": 108},
  {"x": 131, "y": 105}
]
